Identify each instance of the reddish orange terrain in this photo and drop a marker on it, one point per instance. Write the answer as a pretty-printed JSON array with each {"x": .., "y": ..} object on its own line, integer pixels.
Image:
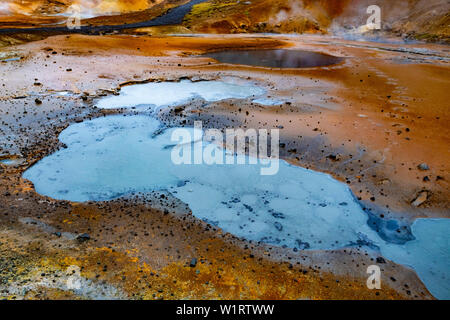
[{"x": 377, "y": 121}]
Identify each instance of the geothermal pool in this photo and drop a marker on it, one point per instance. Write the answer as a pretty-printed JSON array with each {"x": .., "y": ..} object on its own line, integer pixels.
[
  {"x": 279, "y": 58},
  {"x": 156, "y": 95},
  {"x": 115, "y": 156}
]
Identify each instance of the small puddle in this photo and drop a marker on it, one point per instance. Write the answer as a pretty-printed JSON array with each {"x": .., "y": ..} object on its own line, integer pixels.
[
  {"x": 155, "y": 95},
  {"x": 114, "y": 156},
  {"x": 8, "y": 162},
  {"x": 9, "y": 56},
  {"x": 11, "y": 161},
  {"x": 279, "y": 58}
]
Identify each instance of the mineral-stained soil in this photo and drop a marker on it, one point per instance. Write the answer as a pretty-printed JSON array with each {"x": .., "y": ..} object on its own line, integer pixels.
[{"x": 372, "y": 121}]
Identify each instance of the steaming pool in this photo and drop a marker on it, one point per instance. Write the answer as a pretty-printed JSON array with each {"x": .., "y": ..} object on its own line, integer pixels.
[{"x": 115, "y": 156}]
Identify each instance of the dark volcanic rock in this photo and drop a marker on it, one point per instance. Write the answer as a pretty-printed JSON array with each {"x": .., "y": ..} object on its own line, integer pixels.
[{"x": 423, "y": 167}]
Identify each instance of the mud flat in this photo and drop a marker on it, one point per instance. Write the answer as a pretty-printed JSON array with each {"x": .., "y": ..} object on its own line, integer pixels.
[
  {"x": 362, "y": 121},
  {"x": 280, "y": 58}
]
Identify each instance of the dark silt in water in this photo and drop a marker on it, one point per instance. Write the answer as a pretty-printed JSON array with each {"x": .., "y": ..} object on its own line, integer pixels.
[{"x": 279, "y": 58}]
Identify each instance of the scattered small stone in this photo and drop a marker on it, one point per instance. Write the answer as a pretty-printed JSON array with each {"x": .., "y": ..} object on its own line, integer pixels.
[
  {"x": 423, "y": 167},
  {"x": 193, "y": 262},
  {"x": 37, "y": 101}
]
